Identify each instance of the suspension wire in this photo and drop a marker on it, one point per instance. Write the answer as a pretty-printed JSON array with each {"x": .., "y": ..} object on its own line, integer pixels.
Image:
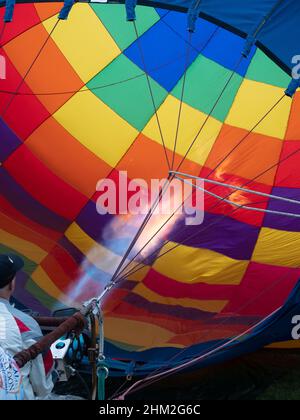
[
  {"x": 223, "y": 184},
  {"x": 140, "y": 265},
  {"x": 246, "y": 135},
  {"x": 29, "y": 70},
  {"x": 154, "y": 205},
  {"x": 141, "y": 229},
  {"x": 151, "y": 93},
  {"x": 2, "y": 33},
  {"x": 188, "y": 52},
  {"x": 69, "y": 92},
  {"x": 245, "y": 184},
  {"x": 163, "y": 374},
  {"x": 211, "y": 111},
  {"x": 203, "y": 125},
  {"x": 187, "y": 60},
  {"x": 218, "y": 324},
  {"x": 261, "y": 210}
]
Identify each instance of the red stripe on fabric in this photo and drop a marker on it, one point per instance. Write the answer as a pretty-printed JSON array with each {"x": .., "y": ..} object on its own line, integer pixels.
[
  {"x": 25, "y": 17},
  {"x": 48, "y": 362},
  {"x": 12, "y": 213},
  {"x": 43, "y": 185},
  {"x": 22, "y": 327},
  {"x": 172, "y": 288}
]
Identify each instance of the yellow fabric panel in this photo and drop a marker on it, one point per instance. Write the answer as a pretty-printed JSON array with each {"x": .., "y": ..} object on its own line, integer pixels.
[
  {"x": 97, "y": 254},
  {"x": 136, "y": 333},
  {"x": 141, "y": 272},
  {"x": 89, "y": 49},
  {"x": 193, "y": 265},
  {"x": 277, "y": 247},
  {"x": 203, "y": 305},
  {"x": 292, "y": 344},
  {"x": 253, "y": 101},
  {"x": 28, "y": 249},
  {"x": 190, "y": 123},
  {"x": 40, "y": 277},
  {"x": 96, "y": 127}
]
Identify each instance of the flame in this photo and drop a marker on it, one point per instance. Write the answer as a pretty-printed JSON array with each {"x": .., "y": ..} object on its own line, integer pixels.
[
  {"x": 117, "y": 237},
  {"x": 238, "y": 197}
]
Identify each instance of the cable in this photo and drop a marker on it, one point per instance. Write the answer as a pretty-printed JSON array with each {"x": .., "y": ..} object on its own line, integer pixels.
[
  {"x": 2, "y": 33},
  {"x": 210, "y": 113},
  {"x": 275, "y": 212},
  {"x": 247, "y": 135},
  {"x": 28, "y": 71},
  {"x": 181, "y": 97},
  {"x": 151, "y": 92},
  {"x": 83, "y": 382},
  {"x": 243, "y": 139}
]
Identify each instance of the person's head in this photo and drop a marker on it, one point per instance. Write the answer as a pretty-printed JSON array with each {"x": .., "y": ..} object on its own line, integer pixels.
[{"x": 9, "y": 266}]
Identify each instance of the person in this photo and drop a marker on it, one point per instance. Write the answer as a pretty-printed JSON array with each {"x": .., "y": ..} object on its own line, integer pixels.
[
  {"x": 18, "y": 331},
  {"x": 11, "y": 387}
]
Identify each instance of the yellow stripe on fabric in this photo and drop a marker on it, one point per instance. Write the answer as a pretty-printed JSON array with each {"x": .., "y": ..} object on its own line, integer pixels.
[
  {"x": 292, "y": 344},
  {"x": 203, "y": 305},
  {"x": 136, "y": 333},
  {"x": 41, "y": 278},
  {"x": 190, "y": 123},
  {"x": 25, "y": 248},
  {"x": 277, "y": 247},
  {"x": 96, "y": 254},
  {"x": 193, "y": 265},
  {"x": 96, "y": 127},
  {"x": 84, "y": 41},
  {"x": 253, "y": 101},
  {"x": 141, "y": 271}
]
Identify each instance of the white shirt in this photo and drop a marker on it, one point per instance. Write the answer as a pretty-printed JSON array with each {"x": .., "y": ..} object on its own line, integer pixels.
[{"x": 18, "y": 331}]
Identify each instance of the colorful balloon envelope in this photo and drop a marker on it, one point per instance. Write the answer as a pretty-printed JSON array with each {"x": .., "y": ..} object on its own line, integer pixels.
[{"x": 98, "y": 97}]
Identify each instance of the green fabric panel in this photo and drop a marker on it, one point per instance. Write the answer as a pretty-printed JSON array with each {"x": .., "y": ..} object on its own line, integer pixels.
[
  {"x": 130, "y": 99},
  {"x": 39, "y": 294},
  {"x": 122, "y": 31},
  {"x": 262, "y": 69},
  {"x": 205, "y": 81}
]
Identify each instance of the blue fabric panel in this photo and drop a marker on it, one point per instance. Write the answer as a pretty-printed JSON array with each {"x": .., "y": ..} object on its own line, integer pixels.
[
  {"x": 205, "y": 30},
  {"x": 171, "y": 48},
  {"x": 219, "y": 47},
  {"x": 166, "y": 63},
  {"x": 280, "y": 35}
]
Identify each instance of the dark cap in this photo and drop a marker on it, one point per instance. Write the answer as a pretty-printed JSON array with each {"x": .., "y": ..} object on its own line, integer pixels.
[{"x": 9, "y": 266}]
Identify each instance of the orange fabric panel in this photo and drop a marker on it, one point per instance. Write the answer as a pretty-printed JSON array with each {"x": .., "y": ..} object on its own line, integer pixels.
[{"x": 53, "y": 145}]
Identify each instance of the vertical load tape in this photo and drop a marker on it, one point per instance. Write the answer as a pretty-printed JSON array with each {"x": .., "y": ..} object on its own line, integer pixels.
[
  {"x": 9, "y": 10},
  {"x": 293, "y": 86},
  {"x": 65, "y": 11},
  {"x": 130, "y": 9},
  {"x": 193, "y": 14}
]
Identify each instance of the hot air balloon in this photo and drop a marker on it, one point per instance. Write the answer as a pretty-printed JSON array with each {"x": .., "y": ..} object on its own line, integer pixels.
[{"x": 202, "y": 90}]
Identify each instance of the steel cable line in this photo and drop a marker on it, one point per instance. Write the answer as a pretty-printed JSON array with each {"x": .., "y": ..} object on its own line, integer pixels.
[{"x": 6, "y": 107}]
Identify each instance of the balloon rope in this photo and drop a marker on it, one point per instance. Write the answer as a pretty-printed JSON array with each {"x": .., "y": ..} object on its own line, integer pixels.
[
  {"x": 28, "y": 71},
  {"x": 151, "y": 93},
  {"x": 187, "y": 60},
  {"x": 2, "y": 33},
  {"x": 150, "y": 379},
  {"x": 246, "y": 135},
  {"x": 232, "y": 203},
  {"x": 219, "y": 202},
  {"x": 225, "y": 341},
  {"x": 210, "y": 113}
]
